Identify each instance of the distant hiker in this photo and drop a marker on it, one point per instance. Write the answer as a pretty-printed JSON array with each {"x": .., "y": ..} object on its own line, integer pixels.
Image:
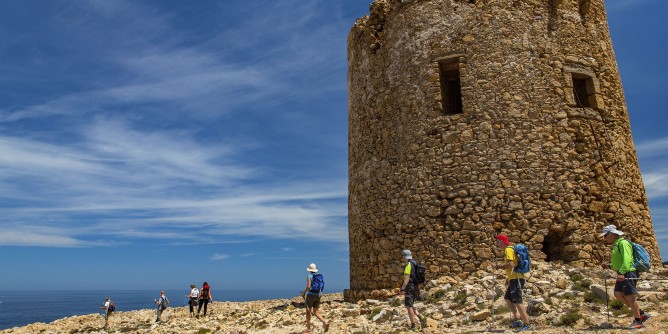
[
  {"x": 411, "y": 290},
  {"x": 194, "y": 294},
  {"x": 162, "y": 305},
  {"x": 204, "y": 298},
  {"x": 621, "y": 261},
  {"x": 108, "y": 307},
  {"x": 314, "y": 286},
  {"x": 514, "y": 283}
]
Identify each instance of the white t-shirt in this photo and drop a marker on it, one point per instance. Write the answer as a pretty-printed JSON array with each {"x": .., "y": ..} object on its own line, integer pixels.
[
  {"x": 194, "y": 293},
  {"x": 106, "y": 305}
]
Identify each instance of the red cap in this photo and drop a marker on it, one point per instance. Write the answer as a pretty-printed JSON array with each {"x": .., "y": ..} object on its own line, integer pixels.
[{"x": 503, "y": 238}]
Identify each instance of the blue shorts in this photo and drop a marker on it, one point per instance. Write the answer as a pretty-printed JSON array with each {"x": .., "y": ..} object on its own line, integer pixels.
[{"x": 627, "y": 287}]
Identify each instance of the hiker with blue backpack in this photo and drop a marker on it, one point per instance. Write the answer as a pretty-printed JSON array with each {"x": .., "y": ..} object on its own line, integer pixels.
[
  {"x": 516, "y": 263},
  {"x": 623, "y": 262},
  {"x": 410, "y": 288},
  {"x": 315, "y": 284}
]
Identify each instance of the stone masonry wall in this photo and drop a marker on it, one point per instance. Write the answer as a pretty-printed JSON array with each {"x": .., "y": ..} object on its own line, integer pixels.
[{"x": 522, "y": 158}]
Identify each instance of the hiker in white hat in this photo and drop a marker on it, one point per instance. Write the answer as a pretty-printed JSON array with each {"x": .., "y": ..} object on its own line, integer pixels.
[
  {"x": 314, "y": 286},
  {"x": 621, "y": 261}
]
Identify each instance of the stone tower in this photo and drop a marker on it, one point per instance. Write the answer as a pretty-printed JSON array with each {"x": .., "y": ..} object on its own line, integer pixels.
[{"x": 472, "y": 117}]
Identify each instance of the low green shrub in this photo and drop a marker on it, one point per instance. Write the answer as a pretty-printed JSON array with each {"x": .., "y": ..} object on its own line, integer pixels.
[
  {"x": 581, "y": 285},
  {"x": 460, "y": 298},
  {"x": 502, "y": 310},
  {"x": 615, "y": 304},
  {"x": 576, "y": 277},
  {"x": 570, "y": 318},
  {"x": 436, "y": 296},
  {"x": 591, "y": 297}
]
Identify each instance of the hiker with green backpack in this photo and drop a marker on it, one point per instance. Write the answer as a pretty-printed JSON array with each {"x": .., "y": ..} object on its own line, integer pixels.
[
  {"x": 410, "y": 288},
  {"x": 515, "y": 269},
  {"x": 623, "y": 262},
  {"x": 315, "y": 284}
]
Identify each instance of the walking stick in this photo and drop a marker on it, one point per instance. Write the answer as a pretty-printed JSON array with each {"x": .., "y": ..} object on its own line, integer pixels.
[
  {"x": 607, "y": 298},
  {"x": 493, "y": 297}
]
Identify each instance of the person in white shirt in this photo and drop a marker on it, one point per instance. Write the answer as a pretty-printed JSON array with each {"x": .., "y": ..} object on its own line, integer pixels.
[
  {"x": 194, "y": 294},
  {"x": 107, "y": 311}
]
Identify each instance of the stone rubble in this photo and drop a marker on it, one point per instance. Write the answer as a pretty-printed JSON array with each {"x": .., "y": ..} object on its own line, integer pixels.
[{"x": 452, "y": 305}]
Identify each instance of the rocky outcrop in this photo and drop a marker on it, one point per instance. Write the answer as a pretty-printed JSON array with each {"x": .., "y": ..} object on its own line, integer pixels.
[{"x": 559, "y": 298}]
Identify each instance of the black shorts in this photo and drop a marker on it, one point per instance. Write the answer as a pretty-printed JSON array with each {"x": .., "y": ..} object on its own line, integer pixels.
[
  {"x": 411, "y": 294},
  {"x": 627, "y": 287},
  {"x": 312, "y": 301},
  {"x": 514, "y": 291}
]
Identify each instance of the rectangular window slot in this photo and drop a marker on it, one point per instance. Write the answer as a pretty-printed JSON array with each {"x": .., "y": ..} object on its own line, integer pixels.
[
  {"x": 584, "y": 6},
  {"x": 451, "y": 89},
  {"x": 581, "y": 92}
]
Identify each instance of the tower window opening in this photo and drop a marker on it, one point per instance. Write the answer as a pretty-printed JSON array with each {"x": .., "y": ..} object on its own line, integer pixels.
[
  {"x": 583, "y": 7},
  {"x": 583, "y": 91},
  {"x": 451, "y": 88}
]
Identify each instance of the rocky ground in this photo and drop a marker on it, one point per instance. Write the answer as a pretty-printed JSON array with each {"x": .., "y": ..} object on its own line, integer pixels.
[{"x": 561, "y": 299}]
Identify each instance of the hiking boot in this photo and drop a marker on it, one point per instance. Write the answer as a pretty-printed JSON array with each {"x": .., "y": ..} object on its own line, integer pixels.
[
  {"x": 644, "y": 317},
  {"x": 516, "y": 324},
  {"x": 526, "y": 327},
  {"x": 414, "y": 328},
  {"x": 636, "y": 325}
]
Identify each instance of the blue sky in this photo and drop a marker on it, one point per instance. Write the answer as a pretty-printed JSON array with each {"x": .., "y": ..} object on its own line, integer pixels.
[{"x": 151, "y": 144}]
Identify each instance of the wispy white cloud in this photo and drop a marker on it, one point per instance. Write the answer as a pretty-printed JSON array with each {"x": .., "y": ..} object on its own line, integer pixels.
[
  {"x": 653, "y": 156},
  {"x": 43, "y": 238},
  {"x": 287, "y": 249},
  {"x": 218, "y": 257},
  {"x": 653, "y": 159},
  {"x": 142, "y": 151},
  {"x": 656, "y": 183},
  {"x": 203, "y": 77},
  {"x": 653, "y": 148},
  {"x": 164, "y": 185}
]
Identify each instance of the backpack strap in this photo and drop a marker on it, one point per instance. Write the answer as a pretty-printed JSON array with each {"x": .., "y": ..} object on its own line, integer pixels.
[
  {"x": 413, "y": 265},
  {"x": 621, "y": 251}
]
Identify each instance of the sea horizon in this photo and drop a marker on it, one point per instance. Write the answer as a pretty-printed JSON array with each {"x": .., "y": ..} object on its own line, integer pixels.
[{"x": 22, "y": 307}]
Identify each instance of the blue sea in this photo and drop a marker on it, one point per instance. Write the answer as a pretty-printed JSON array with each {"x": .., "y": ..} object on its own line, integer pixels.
[{"x": 19, "y": 308}]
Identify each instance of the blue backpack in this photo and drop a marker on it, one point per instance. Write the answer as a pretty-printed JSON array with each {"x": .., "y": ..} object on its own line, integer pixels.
[
  {"x": 523, "y": 260},
  {"x": 317, "y": 283},
  {"x": 641, "y": 259}
]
